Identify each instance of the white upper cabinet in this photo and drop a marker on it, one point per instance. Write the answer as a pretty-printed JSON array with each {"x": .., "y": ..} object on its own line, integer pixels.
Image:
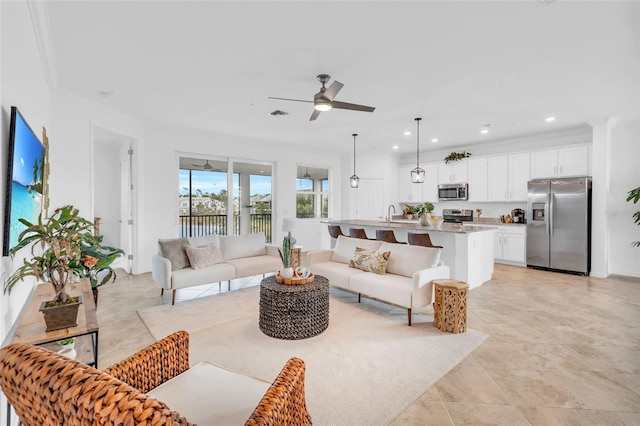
[
  {"x": 407, "y": 191},
  {"x": 507, "y": 177},
  {"x": 454, "y": 172},
  {"x": 571, "y": 161},
  {"x": 478, "y": 180},
  {"x": 430, "y": 185},
  {"x": 414, "y": 193}
]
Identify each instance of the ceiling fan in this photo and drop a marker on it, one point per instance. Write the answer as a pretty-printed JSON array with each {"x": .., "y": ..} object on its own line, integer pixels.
[
  {"x": 205, "y": 166},
  {"x": 323, "y": 100}
]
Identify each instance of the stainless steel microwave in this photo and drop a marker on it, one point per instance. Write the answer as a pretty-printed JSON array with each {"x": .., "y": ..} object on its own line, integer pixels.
[{"x": 453, "y": 191}]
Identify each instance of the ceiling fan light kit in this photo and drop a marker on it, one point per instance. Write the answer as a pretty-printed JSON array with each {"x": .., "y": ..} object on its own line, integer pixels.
[
  {"x": 417, "y": 174},
  {"x": 324, "y": 99},
  {"x": 354, "y": 180}
]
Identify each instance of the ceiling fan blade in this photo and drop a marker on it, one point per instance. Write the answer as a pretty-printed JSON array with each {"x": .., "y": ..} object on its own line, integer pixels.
[
  {"x": 355, "y": 107},
  {"x": 315, "y": 115},
  {"x": 287, "y": 99},
  {"x": 333, "y": 90}
]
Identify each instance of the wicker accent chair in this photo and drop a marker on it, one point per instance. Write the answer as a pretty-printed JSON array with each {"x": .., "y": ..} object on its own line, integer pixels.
[
  {"x": 335, "y": 231},
  {"x": 387, "y": 236},
  {"x": 420, "y": 240},
  {"x": 49, "y": 389}
]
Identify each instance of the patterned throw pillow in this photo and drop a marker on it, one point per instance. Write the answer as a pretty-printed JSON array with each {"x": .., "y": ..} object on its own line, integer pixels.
[
  {"x": 370, "y": 260},
  {"x": 203, "y": 256}
]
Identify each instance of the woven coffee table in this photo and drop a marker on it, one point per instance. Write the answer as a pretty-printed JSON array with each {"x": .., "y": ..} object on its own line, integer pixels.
[{"x": 294, "y": 312}]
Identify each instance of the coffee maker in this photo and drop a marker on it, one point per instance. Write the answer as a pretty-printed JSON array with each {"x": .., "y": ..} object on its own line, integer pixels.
[{"x": 517, "y": 215}]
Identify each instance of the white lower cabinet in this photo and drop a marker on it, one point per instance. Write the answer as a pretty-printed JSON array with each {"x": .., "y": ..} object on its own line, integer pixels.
[{"x": 509, "y": 245}]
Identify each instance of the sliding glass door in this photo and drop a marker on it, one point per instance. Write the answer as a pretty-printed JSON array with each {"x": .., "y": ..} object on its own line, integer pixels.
[{"x": 224, "y": 197}]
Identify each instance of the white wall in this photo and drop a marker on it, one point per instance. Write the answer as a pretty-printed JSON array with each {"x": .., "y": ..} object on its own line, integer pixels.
[
  {"x": 625, "y": 176},
  {"x": 24, "y": 84},
  {"x": 107, "y": 205}
]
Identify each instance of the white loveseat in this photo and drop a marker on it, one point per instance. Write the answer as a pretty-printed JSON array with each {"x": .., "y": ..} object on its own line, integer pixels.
[
  {"x": 405, "y": 283},
  {"x": 186, "y": 262}
]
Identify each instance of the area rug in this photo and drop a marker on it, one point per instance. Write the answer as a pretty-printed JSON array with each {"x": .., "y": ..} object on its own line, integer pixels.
[{"x": 365, "y": 369}]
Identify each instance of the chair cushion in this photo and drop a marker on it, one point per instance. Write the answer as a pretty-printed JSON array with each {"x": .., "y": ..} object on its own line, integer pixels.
[
  {"x": 346, "y": 246},
  {"x": 237, "y": 246},
  {"x": 201, "y": 257},
  {"x": 175, "y": 249},
  {"x": 370, "y": 260},
  {"x": 406, "y": 259}
]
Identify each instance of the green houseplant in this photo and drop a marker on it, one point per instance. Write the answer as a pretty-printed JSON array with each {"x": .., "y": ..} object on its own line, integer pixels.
[
  {"x": 423, "y": 211},
  {"x": 285, "y": 256},
  {"x": 409, "y": 211},
  {"x": 634, "y": 195},
  {"x": 57, "y": 245}
]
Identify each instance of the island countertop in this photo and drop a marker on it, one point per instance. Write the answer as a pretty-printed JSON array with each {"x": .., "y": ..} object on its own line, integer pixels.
[{"x": 415, "y": 225}]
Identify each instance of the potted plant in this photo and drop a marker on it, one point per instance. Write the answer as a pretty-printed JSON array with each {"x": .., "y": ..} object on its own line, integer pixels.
[
  {"x": 408, "y": 211},
  {"x": 285, "y": 256},
  {"x": 96, "y": 265},
  {"x": 423, "y": 211},
  {"x": 634, "y": 196},
  {"x": 56, "y": 257}
]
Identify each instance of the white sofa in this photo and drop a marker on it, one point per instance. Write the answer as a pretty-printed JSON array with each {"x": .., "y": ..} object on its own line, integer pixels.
[
  {"x": 186, "y": 262},
  {"x": 406, "y": 282}
]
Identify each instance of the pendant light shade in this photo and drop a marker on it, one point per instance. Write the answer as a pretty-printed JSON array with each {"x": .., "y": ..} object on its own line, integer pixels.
[
  {"x": 354, "y": 180},
  {"x": 306, "y": 175},
  {"x": 417, "y": 174}
]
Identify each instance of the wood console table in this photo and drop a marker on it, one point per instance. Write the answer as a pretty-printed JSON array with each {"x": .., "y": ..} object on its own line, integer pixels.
[{"x": 31, "y": 327}]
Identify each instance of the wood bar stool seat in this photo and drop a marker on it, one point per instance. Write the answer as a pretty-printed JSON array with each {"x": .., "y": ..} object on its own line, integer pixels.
[
  {"x": 420, "y": 240},
  {"x": 387, "y": 236},
  {"x": 358, "y": 233},
  {"x": 335, "y": 231}
]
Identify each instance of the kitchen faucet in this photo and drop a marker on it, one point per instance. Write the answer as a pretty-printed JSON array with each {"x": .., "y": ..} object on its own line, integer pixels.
[{"x": 389, "y": 212}]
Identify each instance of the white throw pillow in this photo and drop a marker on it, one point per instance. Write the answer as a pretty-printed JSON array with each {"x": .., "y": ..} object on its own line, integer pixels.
[
  {"x": 346, "y": 246},
  {"x": 203, "y": 256},
  {"x": 406, "y": 259},
  {"x": 239, "y": 246}
]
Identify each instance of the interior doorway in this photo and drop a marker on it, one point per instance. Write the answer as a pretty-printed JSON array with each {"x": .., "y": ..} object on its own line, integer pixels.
[{"x": 113, "y": 167}]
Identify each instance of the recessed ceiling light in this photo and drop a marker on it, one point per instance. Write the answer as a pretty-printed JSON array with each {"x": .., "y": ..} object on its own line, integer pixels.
[
  {"x": 395, "y": 147},
  {"x": 484, "y": 131},
  {"x": 407, "y": 133},
  {"x": 434, "y": 140},
  {"x": 550, "y": 119}
]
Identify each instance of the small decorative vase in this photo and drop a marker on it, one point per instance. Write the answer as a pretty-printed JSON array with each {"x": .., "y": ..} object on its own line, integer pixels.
[
  {"x": 424, "y": 220},
  {"x": 286, "y": 272}
]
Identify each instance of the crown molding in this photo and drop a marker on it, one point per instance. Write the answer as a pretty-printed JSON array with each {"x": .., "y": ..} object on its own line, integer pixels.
[{"x": 40, "y": 21}]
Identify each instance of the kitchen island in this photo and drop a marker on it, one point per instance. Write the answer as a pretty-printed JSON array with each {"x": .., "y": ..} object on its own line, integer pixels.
[{"x": 466, "y": 249}]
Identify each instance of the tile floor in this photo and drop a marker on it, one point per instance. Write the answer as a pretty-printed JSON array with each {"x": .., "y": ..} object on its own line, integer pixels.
[{"x": 564, "y": 349}]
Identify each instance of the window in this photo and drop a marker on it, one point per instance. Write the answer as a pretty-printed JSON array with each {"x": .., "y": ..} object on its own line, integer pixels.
[{"x": 312, "y": 193}]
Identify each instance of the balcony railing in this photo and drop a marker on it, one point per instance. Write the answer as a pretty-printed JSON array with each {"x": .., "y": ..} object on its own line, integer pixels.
[{"x": 210, "y": 224}]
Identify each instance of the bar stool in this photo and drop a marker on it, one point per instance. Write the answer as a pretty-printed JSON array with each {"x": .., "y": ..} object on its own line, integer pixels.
[
  {"x": 358, "y": 233},
  {"x": 387, "y": 236},
  {"x": 335, "y": 231},
  {"x": 420, "y": 240}
]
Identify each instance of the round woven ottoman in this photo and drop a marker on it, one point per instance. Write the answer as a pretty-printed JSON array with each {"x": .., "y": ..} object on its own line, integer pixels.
[{"x": 294, "y": 311}]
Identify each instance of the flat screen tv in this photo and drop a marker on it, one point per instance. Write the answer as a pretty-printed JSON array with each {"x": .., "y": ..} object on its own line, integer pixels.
[{"x": 25, "y": 179}]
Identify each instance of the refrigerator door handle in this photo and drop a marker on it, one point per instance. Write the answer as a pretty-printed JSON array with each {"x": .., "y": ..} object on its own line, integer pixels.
[{"x": 551, "y": 207}]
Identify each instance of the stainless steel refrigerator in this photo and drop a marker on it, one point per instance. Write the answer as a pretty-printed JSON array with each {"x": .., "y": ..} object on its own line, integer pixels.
[{"x": 559, "y": 224}]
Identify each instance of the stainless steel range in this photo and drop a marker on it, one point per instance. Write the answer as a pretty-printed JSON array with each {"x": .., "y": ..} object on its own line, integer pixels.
[{"x": 457, "y": 215}]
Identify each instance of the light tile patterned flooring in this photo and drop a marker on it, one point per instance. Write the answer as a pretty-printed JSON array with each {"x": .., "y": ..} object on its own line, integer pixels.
[{"x": 564, "y": 349}]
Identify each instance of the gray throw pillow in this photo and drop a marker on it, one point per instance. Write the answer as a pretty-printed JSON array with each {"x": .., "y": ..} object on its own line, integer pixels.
[
  {"x": 175, "y": 250},
  {"x": 201, "y": 257}
]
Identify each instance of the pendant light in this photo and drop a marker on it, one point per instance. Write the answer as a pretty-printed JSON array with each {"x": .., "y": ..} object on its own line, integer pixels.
[
  {"x": 417, "y": 174},
  {"x": 306, "y": 175},
  {"x": 354, "y": 180}
]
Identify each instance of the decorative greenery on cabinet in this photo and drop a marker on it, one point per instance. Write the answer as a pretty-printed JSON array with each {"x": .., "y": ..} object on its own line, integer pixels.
[{"x": 456, "y": 156}]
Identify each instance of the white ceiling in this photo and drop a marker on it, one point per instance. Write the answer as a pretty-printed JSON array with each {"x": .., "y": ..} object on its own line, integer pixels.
[{"x": 459, "y": 65}]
